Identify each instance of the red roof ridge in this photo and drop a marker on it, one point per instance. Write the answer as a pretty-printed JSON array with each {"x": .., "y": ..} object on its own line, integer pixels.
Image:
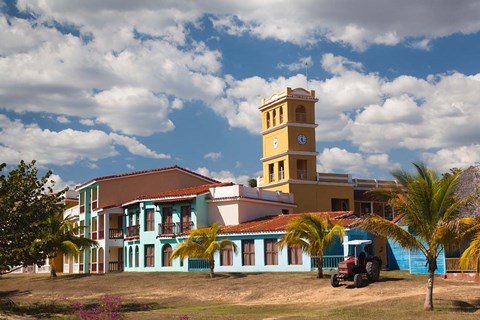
[
  {"x": 181, "y": 192},
  {"x": 279, "y": 222},
  {"x": 147, "y": 171}
]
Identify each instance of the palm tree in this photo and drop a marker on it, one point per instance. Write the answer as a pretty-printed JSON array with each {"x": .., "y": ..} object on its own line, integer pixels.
[
  {"x": 427, "y": 206},
  {"x": 202, "y": 243},
  {"x": 62, "y": 237},
  {"x": 313, "y": 233}
]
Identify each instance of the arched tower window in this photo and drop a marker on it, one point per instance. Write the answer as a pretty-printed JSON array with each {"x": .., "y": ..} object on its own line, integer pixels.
[
  {"x": 268, "y": 120},
  {"x": 274, "y": 118},
  {"x": 300, "y": 114},
  {"x": 281, "y": 115},
  {"x": 167, "y": 253}
]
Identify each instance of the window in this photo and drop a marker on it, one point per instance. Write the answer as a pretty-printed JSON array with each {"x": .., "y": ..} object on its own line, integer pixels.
[
  {"x": 185, "y": 218},
  {"x": 94, "y": 228},
  {"x": 137, "y": 257},
  {"x": 300, "y": 114},
  {"x": 281, "y": 115},
  {"x": 274, "y": 122},
  {"x": 167, "y": 254},
  {"x": 365, "y": 208},
  {"x": 149, "y": 255},
  {"x": 281, "y": 170},
  {"x": 271, "y": 175},
  {"x": 149, "y": 220},
  {"x": 82, "y": 202},
  {"x": 268, "y": 119},
  {"x": 167, "y": 221},
  {"x": 389, "y": 214},
  {"x": 271, "y": 252},
  {"x": 294, "y": 255},
  {"x": 226, "y": 256},
  {"x": 94, "y": 197},
  {"x": 248, "y": 250},
  {"x": 302, "y": 169},
  {"x": 130, "y": 257},
  {"x": 82, "y": 228},
  {"x": 94, "y": 255},
  {"x": 340, "y": 205}
]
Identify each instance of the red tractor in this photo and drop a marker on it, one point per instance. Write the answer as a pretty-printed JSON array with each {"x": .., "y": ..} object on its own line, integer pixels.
[{"x": 359, "y": 269}]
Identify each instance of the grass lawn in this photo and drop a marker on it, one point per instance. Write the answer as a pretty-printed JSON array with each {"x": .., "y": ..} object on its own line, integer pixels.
[{"x": 398, "y": 295}]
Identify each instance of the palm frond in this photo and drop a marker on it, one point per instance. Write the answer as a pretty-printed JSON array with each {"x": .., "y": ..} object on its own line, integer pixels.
[
  {"x": 471, "y": 256},
  {"x": 312, "y": 233},
  {"x": 382, "y": 227}
]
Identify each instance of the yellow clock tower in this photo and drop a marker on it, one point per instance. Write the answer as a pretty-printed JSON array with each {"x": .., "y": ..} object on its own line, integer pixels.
[{"x": 289, "y": 151}]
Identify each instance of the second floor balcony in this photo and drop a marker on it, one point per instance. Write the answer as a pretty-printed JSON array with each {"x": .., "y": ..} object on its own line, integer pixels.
[
  {"x": 133, "y": 231},
  {"x": 174, "y": 228}
]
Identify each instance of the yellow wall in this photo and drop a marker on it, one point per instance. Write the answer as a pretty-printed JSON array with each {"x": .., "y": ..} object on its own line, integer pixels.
[{"x": 312, "y": 197}]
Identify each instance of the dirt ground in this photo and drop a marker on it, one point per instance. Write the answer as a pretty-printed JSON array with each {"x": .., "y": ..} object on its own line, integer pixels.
[{"x": 246, "y": 289}]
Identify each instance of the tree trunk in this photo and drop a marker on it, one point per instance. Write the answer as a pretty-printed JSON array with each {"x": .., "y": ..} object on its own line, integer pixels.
[
  {"x": 53, "y": 272},
  {"x": 212, "y": 266},
  {"x": 319, "y": 267},
  {"x": 428, "y": 306}
]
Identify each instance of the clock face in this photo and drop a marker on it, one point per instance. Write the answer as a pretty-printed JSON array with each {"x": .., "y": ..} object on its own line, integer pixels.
[
  {"x": 302, "y": 139},
  {"x": 275, "y": 142}
]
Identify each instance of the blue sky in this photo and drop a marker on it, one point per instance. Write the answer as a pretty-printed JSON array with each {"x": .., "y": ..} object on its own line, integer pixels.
[{"x": 94, "y": 88}]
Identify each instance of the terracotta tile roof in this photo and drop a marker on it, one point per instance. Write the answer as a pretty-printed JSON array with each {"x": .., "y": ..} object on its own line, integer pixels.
[
  {"x": 280, "y": 222},
  {"x": 149, "y": 171},
  {"x": 179, "y": 194}
]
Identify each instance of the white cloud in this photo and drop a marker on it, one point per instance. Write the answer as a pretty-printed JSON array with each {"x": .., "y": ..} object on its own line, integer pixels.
[
  {"x": 99, "y": 80},
  {"x": 357, "y": 24},
  {"x": 301, "y": 64},
  {"x": 63, "y": 119},
  {"x": 214, "y": 156},
  {"x": 336, "y": 159},
  {"x": 137, "y": 148},
  {"x": 445, "y": 159},
  {"x": 338, "y": 64},
  {"x": 224, "y": 176},
  {"x": 133, "y": 111},
  {"x": 87, "y": 122},
  {"x": 19, "y": 141},
  {"x": 130, "y": 166},
  {"x": 60, "y": 184}
]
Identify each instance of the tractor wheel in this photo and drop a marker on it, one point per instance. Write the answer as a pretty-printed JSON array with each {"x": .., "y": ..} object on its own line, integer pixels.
[
  {"x": 357, "y": 280},
  {"x": 334, "y": 280},
  {"x": 373, "y": 270}
]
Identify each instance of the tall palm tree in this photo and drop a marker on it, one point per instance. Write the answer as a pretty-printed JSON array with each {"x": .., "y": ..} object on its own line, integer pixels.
[
  {"x": 61, "y": 237},
  {"x": 425, "y": 203},
  {"x": 202, "y": 243},
  {"x": 313, "y": 234}
]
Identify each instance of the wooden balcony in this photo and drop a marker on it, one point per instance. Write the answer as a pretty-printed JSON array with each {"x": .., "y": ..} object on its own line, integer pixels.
[
  {"x": 166, "y": 229},
  {"x": 115, "y": 234},
  {"x": 173, "y": 229},
  {"x": 115, "y": 266},
  {"x": 184, "y": 226},
  {"x": 133, "y": 232}
]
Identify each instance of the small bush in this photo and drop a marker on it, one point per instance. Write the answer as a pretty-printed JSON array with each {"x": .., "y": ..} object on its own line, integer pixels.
[{"x": 108, "y": 308}]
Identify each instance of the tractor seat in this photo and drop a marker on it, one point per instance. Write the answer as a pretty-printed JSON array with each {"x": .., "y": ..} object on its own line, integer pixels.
[{"x": 361, "y": 259}]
